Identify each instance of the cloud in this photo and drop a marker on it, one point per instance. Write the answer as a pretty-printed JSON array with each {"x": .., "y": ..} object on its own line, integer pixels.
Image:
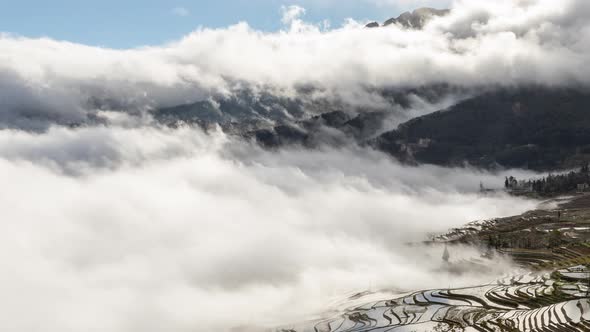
[
  {"x": 181, "y": 11},
  {"x": 480, "y": 44},
  {"x": 291, "y": 13},
  {"x": 148, "y": 229}
]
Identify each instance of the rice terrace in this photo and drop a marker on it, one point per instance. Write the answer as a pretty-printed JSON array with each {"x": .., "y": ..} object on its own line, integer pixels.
[{"x": 551, "y": 293}]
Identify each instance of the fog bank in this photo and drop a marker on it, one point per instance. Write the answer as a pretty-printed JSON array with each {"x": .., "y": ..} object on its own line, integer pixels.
[{"x": 173, "y": 230}]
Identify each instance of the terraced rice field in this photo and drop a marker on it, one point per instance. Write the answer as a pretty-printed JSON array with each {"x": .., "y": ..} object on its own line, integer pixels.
[
  {"x": 537, "y": 240},
  {"x": 527, "y": 302},
  {"x": 553, "y": 244}
]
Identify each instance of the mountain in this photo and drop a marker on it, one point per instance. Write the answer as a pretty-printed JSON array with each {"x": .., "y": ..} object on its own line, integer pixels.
[
  {"x": 536, "y": 128},
  {"x": 413, "y": 20},
  {"x": 539, "y": 128},
  {"x": 336, "y": 128},
  {"x": 246, "y": 112},
  {"x": 242, "y": 106}
]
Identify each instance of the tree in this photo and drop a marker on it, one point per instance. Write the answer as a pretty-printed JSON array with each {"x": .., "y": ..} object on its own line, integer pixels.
[
  {"x": 555, "y": 238},
  {"x": 446, "y": 254}
]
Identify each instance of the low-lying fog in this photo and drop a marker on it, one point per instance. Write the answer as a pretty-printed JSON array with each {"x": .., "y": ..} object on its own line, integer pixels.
[
  {"x": 125, "y": 228},
  {"x": 147, "y": 229}
]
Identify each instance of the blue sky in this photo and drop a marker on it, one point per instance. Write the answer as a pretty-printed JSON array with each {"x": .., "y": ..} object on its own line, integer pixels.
[{"x": 131, "y": 23}]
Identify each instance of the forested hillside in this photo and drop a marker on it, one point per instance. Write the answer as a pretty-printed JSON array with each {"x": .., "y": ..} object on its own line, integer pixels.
[{"x": 536, "y": 128}]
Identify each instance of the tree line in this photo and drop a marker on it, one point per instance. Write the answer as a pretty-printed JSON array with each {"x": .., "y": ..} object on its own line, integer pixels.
[{"x": 553, "y": 183}]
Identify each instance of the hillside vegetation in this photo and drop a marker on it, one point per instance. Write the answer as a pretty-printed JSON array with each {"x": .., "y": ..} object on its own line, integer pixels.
[{"x": 535, "y": 128}]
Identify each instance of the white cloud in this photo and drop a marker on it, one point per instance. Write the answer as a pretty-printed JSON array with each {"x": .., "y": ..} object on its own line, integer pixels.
[
  {"x": 291, "y": 13},
  {"x": 173, "y": 230},
  {"x": 181, "y": 11},
  {"x": 481, "y": 43}
]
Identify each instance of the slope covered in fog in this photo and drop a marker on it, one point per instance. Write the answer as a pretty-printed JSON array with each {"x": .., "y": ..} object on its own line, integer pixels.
[{"x": 178, "y": 230}]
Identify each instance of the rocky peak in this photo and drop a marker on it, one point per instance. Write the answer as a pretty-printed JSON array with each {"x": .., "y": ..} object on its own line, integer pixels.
[{"x": 416, "y": 19}]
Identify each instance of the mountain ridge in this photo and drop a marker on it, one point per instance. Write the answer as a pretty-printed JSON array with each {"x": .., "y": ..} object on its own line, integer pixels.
[
  {"x": 412, "y": 20},
  {"x": 534, "y": 128},
  {"x": 538, "y": 128}
]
